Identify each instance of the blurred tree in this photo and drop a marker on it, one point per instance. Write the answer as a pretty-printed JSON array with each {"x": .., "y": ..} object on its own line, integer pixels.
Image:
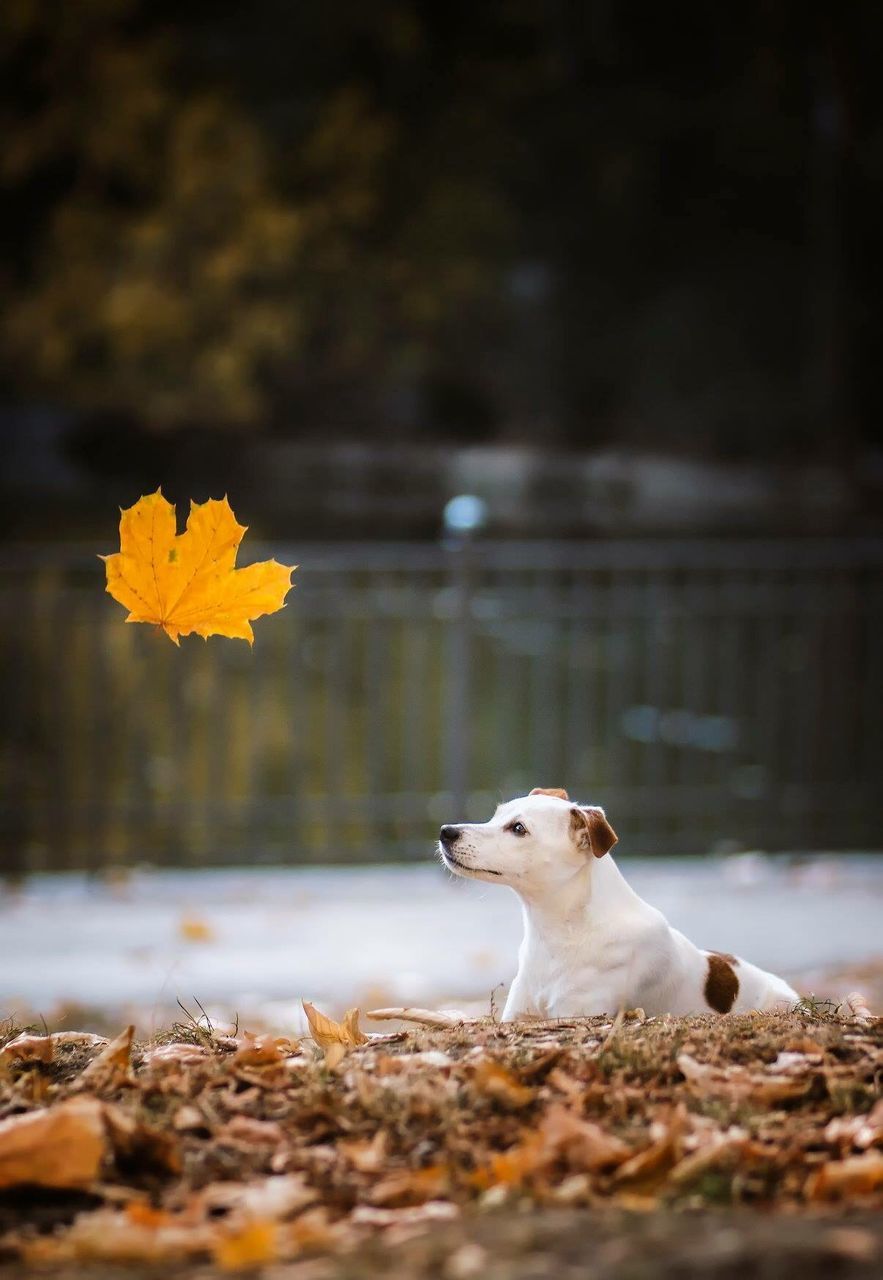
[
  {"x": 593, "y": 221},
  {"x": 162, "y": 257}
]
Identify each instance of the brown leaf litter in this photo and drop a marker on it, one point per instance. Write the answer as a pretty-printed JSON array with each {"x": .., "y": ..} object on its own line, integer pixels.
[{"x": 251, "y": 1149}]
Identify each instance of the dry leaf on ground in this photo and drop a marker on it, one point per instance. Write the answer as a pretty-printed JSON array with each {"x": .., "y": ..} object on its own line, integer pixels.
[
  {"x": 27, "y": 1048},
  {"x": 855, "y": 1176},
  {"x": 334, "y": 1038},
  {"x": 498, "y": 1082},
  {"x": 189, "y": 582},
  {"x": 265, "y": 1199},
  {"x": 192, "y": 929},
  {"x": 63, "y": 1146},
  {"x": 265, "y": 1050},
  {"x": 252, "y": 1245},
  {"x": 175, "y": 1054},
  {"x": 112, "y": 1067},
  {"x": 736, "y": 1082},
  {"x": 585, "y": 1145},
  {"x": 412, "y": 1186},
  {"x": 111, "y": 1235}
]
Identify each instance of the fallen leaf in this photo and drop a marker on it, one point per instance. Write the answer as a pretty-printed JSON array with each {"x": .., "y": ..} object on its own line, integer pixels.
[
  {"x": 250, "y": 1246},
  {"x": 27, "y": 1048},
  {"x": 266, "y": 1199},
  {"x": 855, "y": 1176},
  {"x": 112, "y": 1067},
  {"x": 192, "y": 929},
  {"x": 411, "y": 1186},
  {"x": 584, "y": 1144},
  {"x": 253, "y": 1132},
  {"x": 717, "y": 1149},
  {"x": 648, "y": 1168},
  {"x": 188, "y": 582},
  {"x": 83, "y": 1039},
  {"x": 432, "y": 1211},
  {"x": 109, "y": 1235},
  {"x": 737, "y": 1083},
  {"x": 366, "y": 1155},
  {"x": 334, "y": 1038},
  {"x": 140, "y": 1145},
  {"x": 62, "y": 1146},
  {"x": 858, "y": 1007},
  {"x": 498, "y": 1082},
  {"x": 259, "y": 1051},
  {"x": 188, "y": 1119},
  {"x": 174, "y": 1054}
]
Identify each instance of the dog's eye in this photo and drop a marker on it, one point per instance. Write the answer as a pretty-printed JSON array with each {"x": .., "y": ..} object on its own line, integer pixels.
[{"x": 518, "y": 829}]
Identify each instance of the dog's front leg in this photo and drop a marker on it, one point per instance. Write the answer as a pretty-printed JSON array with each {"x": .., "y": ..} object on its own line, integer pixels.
[{"x": 518, "y": 1002}]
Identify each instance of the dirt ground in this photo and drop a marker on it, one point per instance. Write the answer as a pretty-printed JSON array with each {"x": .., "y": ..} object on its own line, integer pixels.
[{"x": 717, "y": 1147}]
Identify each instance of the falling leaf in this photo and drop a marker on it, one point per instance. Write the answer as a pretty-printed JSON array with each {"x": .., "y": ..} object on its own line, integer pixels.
[
  {"x": 63, "y": 1147},
  {"x": 334, "y": 1038},
  {"x": 188, "y": 582}
]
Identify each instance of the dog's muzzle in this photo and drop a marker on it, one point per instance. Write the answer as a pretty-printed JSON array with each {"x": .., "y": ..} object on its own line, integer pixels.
[{"x": 449, "y": 835}]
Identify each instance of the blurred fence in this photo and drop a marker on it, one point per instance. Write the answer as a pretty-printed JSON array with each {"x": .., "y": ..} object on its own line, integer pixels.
[{"x": 710, "y": 695}]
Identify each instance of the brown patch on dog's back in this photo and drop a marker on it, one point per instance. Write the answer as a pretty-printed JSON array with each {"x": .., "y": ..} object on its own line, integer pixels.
[
  {"x": 721, "y": 985},
  {"x": 725, "y": 955}
]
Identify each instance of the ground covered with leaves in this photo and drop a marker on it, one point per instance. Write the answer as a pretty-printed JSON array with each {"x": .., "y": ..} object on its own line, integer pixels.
[{"x": 466, "y": 1149}]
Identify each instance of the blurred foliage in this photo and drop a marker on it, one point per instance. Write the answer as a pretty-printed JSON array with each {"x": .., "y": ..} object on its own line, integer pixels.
[{"x": 584, "y": 219}]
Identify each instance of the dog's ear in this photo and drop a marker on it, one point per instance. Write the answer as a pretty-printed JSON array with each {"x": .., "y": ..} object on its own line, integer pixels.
[
  {"x": 558, "y": 792},
  {"x": 591, "y": 830}
]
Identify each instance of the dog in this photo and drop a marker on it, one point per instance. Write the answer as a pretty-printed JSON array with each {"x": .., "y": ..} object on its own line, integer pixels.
[{"x": 591, "y": 945}]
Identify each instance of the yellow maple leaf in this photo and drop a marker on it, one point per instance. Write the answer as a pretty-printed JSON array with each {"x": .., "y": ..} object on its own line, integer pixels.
[{"x": 188, "y": 582}]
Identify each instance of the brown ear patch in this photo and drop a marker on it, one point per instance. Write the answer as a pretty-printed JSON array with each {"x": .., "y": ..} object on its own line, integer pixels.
[
  {"x": 558, "y": 792},
  {"x": 590, "y": 828},
  {"x": 721, "y": 985}
]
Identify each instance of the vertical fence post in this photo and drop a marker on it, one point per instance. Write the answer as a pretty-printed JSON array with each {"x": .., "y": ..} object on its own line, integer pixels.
[{"x": 464, "y": 517}]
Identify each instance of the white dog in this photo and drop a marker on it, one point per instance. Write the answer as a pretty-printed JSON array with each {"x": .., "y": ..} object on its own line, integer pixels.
[{"x": 591, "y": 945}]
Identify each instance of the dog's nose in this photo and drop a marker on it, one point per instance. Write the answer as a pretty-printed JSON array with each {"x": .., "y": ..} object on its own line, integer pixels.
[{"x": 449, "y": 834}]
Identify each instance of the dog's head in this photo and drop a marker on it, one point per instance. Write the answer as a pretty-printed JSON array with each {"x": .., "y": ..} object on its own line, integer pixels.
[{"x": 531, "y": 843}]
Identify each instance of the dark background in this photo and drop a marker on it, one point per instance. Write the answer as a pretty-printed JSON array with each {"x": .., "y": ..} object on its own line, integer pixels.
[
  {"x": 611, "y": 267},
  {"x": 318, "y": 254}
]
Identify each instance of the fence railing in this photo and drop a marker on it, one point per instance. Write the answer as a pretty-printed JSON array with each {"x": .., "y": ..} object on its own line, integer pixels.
[{"x": 709, "y": 694}]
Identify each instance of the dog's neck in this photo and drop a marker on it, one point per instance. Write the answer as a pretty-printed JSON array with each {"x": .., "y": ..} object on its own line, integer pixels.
[{"x": 591, "y": 894}]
